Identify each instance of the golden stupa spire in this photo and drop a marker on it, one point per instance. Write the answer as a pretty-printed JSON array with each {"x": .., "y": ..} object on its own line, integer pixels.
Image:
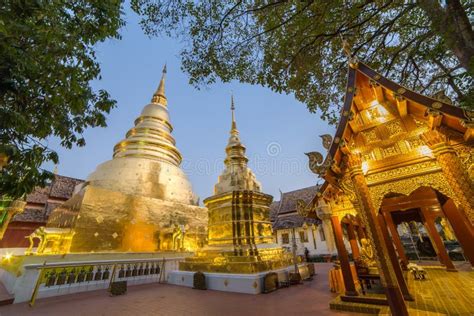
[
  {"x": 235, "y": 149},
  {"x": 159, "y": 96},
  {"x": 236, "y": 175},
  {"x": 234, "y": 139},
  {"x": 151, "y": 137},
  {"x": 232, "y": 108}
]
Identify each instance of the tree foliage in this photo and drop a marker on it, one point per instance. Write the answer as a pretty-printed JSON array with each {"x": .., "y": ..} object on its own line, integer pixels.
[
  {"x": 295, "y": 46},
  {"x": 47, "y": 61}
]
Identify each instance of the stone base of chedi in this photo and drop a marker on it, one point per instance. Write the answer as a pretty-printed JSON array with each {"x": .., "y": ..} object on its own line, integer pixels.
[
  {"x": 140, "y": 201},
  {"x": 240, "y": 236}
]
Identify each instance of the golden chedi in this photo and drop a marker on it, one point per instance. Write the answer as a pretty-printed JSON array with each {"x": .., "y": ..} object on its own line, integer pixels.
[
  {"x": 140, "y": 200},
  {"x": 240, "y": 236}
]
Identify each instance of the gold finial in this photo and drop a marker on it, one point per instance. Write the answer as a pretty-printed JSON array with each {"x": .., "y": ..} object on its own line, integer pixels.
[
  {"x": 232, "y": 108},
  {"x": 159, "y": 96},
  {"x": 346, "y": 47}
]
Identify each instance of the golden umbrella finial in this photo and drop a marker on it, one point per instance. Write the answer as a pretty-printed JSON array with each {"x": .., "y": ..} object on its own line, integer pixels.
[
  {"x": 232, "y": 108},
  {"x": 159, "y": 96}
]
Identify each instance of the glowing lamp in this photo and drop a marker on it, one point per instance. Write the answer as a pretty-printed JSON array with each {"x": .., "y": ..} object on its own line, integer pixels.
[
  {"x": 425, "y": 151},
  {"x": 365, "y": 167}
]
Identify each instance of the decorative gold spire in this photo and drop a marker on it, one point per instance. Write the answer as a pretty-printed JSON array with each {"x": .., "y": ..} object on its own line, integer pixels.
[
  {"x": 235, "y": 149},
  {"x": 151, "y": 136},
  {"x": 159, "y": 96},
  {"x": 236, "y": 175},
  {"x": 232, "y": 108}
]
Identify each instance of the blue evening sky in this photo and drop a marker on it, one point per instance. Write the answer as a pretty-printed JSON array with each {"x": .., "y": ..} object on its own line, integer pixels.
[{"x": 276, "y": 129}]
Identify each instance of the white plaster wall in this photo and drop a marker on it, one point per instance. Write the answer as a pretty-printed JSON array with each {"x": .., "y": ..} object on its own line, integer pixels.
[
  {"x": 13, "y": 251},
  {"x": 239, "y": 283},
  {"x": 321, "y": 246}
]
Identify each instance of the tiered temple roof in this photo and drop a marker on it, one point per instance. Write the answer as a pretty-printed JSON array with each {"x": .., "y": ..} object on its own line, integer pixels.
[
  {"x": 42, "y": 201},
  {"x": 284, "y": 213}
]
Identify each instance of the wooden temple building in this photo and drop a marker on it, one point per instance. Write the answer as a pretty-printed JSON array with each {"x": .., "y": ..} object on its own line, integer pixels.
[
  {"x": 397, "y": 156},
  {"x": 35, "y": 213}
]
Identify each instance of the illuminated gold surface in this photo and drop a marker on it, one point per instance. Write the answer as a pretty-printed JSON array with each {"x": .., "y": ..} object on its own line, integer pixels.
[
  {"x": 239, "y": 230},
  {"x": 236, "y": 174},
  {"x": 388, "y": 150},
  {"x": 51, "y": 240},
  {"x": 105, "y": 220},
  {"x": 135, "y": 201},
  {"x": 240, "y": 236}
]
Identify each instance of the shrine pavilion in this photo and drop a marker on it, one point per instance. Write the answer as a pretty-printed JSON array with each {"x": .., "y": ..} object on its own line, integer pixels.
[{"x": 397, "y": 156}]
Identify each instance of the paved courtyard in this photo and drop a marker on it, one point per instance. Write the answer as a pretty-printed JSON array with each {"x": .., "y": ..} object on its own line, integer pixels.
[
  {"x": 309, "y": 298},
  {"x": 443, "y": 293}
]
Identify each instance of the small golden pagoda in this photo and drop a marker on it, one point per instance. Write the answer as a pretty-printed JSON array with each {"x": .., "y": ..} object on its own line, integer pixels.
[
  {"x": 139, "y": 201},
  {"x": 239, "y": 230}
]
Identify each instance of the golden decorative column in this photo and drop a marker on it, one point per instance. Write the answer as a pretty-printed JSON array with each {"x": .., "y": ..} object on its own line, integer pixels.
[
  {"x": 368, "y": 211},
  {"x": 454, "y": 171},
  {"x": 324, "y": 213}
]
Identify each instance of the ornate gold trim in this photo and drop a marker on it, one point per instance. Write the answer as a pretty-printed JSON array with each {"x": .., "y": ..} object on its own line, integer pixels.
[
  {"x": 406, "y": 186},
  {"x": 403, "y": 172}
]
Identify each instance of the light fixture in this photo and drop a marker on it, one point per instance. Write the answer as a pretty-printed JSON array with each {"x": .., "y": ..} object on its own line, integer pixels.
[
  {"x": 425, "y": 151},
  {"x": 365, "y": 167}
]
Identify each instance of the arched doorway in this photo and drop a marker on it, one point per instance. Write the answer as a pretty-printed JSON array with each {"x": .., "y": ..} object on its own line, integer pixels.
[{"x": 427, "y": 212}]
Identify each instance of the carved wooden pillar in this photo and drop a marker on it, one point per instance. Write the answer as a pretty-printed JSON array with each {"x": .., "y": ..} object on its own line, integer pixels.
[
  {"x": 393, "y": 257},
  {"x": 353, "y": 241},
  {"x": 361, "y": 232},
  {"x": 387, "y": 273},
  {"x": 462, "y": 229},
  {"x": 395, "y": 237},
  {"x": 436, "y": 240},
  {"x": 343, "y": 257},
  {"x": 454, "y": 171}
]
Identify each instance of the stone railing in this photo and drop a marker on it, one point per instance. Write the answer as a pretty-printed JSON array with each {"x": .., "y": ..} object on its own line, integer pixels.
[{"x": 54, "y": 279}]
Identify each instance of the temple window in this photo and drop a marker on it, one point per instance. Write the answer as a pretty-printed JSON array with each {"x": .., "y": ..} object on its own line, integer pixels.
[
  {"x": 303, "y": 236},
  {"x": 285, "y": 238},
  {"x": 321, "y": 234}
]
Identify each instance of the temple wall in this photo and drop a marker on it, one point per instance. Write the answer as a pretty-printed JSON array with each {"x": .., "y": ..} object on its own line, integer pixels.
[
  {"x": 314, "y": 237},
  {"x": 16, "y": 232}
]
